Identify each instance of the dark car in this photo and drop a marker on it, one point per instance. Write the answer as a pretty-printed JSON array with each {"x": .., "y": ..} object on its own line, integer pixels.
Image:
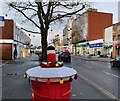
[
  {"x": 115, "y": 62},
  {"x": 64, "y": 56},
  {"x": 40, "y": 56}
]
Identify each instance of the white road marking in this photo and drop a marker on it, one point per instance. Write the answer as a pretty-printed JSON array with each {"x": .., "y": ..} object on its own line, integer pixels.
[
  {"x": 87, "y": 66},
  {"x": 100, "y": 65},
  {"x": 92, "y": 62},
  {"x": 111, "y": 74},
  {"x": 99, "y": 88},
  {"x": 74, "y": 95}
]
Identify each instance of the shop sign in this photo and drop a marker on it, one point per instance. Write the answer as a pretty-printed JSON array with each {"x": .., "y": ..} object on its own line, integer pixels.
[
  {"x": 1, "y": 21},
  {"x": 96, "y": 45},
  {"x": 6, "y": 41},
  {"x": 108, "y": 43}
]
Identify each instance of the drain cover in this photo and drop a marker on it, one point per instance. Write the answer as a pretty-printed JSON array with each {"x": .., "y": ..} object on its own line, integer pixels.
[{"x": 11, "y": 74}]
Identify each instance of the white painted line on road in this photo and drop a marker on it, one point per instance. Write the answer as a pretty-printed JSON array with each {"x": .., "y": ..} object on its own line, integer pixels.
[
  {"x": 99, "y": 88},
  {"x": 74, "y": 95},
  {"x": 95, "y": 63},
  {"x": 111, "y": 74},
  {"x": 87, "y": 66},
  {"x": 100, "y": 65},
  {"x": 92, "y": 62}
]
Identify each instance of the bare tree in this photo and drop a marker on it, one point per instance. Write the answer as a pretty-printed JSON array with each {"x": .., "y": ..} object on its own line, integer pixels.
[{"x": 46, "y": 12}]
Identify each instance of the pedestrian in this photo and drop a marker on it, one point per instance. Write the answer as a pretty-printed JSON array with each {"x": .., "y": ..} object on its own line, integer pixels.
[
  {"x": 78, "y": 52},
  {"x": 31, "y": 52},
  {"x": 111, "y": 55},
  {"x": 15, "y": 54},
  {"x": 99, "y": 53}
]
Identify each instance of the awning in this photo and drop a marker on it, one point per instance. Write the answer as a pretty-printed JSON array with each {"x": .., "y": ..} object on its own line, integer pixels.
[
  {"x": 117, "y": 45},
  {"x": 82, "y": 44}
]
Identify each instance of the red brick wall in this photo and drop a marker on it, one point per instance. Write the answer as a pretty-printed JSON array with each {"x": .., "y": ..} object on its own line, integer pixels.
[
  {"x": 97, "y": 21},
  {"x": 8, "y": 29},
  {"x": 6, "y": 51},
  {"x": 0, "y": 32}
]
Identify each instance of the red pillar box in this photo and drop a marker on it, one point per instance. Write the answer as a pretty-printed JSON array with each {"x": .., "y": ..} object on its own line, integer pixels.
[
  {"x": 51, "y": 83},
  {"x": 51, "y": 80}
]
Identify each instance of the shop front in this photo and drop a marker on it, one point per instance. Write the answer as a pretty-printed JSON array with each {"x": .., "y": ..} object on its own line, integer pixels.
[
  {"x": 108, "y": 47},
  {"x": 117, "y": 49},
  {"x": 82, "y": 48},
  {"x": 96, "y": 47},
  {"x": 25, "y": 51}
]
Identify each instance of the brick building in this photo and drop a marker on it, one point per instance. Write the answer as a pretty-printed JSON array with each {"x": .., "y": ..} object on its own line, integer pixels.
[
  {"x": 13, "y": 38},
  {"x": 97, "y": 21},
  {"x": 112, "y": 40},
  {"x": 92, "y": 28}
]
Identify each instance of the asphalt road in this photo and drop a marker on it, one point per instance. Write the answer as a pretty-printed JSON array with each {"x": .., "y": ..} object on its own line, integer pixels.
[
  {"x": 99, "y": 74},
  {"x": 14, "y": 86}
]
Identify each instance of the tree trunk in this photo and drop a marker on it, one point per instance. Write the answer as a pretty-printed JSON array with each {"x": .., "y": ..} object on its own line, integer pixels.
[
  {"x": 75, "y": 49},
  {"x": 44, "y": 43}
]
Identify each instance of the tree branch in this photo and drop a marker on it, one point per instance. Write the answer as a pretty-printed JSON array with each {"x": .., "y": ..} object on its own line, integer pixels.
[
  {"x": 60, "y": 12},
  {"x": 24, "y": 6},
  {"x": 30, "y": 4},
  {"x": 51, "y": 13},
  {"x": 41, "y": 8},
  {"x": 66, "y": 6},
  {"x": 39, "y": 14},
  {"x": 30, "y": 31},
  {"x": 31, "y": 17},
  {"x": 62, "y": 16},
  {"x": 13, "y": 6}
]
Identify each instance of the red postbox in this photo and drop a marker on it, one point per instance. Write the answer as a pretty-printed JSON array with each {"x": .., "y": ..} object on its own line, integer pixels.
[{"x": 51, "y": 83}]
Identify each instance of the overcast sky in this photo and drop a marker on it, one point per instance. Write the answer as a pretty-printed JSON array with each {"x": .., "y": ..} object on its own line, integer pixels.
[
  {"x": 57, "y": 28},
  {"x": 108, "y": 7}
]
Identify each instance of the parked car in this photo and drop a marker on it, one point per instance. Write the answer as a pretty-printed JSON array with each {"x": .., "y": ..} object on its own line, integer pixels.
[
  {"x": 64, "y": 56},
  {"x": 40, "y": 56},
  {"x": 115, "y": 62}
]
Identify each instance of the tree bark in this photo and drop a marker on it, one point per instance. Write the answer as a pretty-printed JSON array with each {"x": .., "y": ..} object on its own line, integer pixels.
[
  {"x": 44, "y": 32},
  {"x": 75, "y": 49}
]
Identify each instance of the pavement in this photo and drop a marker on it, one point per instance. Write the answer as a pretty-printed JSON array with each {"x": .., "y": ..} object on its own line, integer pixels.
[
  {"x": 93, "y": 58},
  {"x": 33, "y": 57},
  {"x": 2, "y": 62},
  {"x": 14, "y": 85},
  {"x": 87, "y": 58}
]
